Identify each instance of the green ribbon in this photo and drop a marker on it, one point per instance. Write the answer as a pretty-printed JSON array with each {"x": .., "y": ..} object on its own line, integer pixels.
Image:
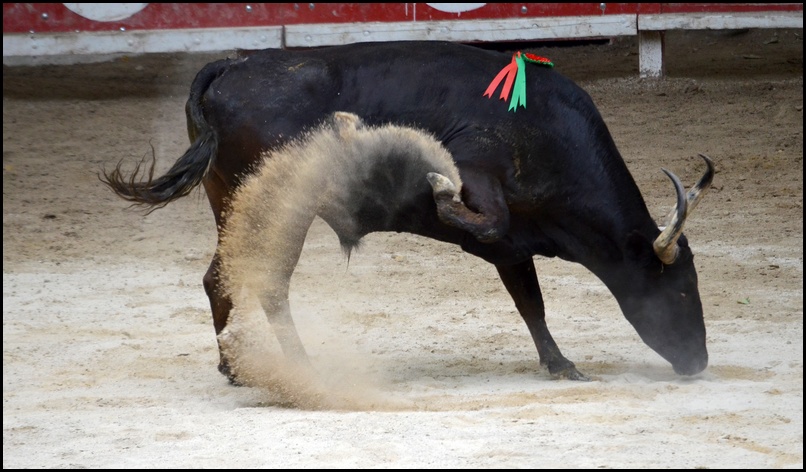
[
  {"x": 515, "y": 74},
  {"x": 519, "y": 92}
]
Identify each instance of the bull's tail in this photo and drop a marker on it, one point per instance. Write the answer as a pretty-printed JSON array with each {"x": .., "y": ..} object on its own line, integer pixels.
[{"x": 141, "y": 188}]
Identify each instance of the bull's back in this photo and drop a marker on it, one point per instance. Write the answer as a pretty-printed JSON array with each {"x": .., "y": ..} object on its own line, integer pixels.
[
  {"x": 435, "y": 85},
  {"x": 261, "y": 101}
]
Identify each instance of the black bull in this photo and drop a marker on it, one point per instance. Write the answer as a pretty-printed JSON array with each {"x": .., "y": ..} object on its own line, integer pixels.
[{"x": 547, "y": 180}]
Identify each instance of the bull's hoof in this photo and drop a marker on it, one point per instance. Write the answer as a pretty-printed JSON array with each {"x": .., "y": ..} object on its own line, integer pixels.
[
  {"x": 442, "y": 186},
  {"x": 225, "y": 370},
  {"x": 570, "y": 374},
  {"x": 566, "y": 370},
  {"x": 488, "y": 236}
]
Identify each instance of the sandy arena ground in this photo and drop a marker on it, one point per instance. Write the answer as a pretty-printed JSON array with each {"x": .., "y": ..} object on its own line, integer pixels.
[{"x": 109, "y": 355}]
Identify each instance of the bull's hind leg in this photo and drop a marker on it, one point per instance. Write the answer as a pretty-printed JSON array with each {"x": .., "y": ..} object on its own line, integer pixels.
[
  {"x": 221, "y": 305},
  {"x": 487, "y": 221},
  {"x": 220, "y": 302},
  {"x": 521, "y": 281}
]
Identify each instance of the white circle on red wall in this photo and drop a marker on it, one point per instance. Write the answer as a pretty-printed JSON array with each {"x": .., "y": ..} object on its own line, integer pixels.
[
  {"x": 455, "y": 7},
  {"x": 105, "y": 11}
]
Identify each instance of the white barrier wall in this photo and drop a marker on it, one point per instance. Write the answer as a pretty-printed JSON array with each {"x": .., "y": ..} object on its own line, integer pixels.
[{"x": 82, "y": 31}]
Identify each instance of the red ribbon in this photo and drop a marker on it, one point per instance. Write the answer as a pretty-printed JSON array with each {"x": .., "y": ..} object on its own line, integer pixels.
[
  {"x": 510, "y": 71},
  {"x": 515, "y": 73}
]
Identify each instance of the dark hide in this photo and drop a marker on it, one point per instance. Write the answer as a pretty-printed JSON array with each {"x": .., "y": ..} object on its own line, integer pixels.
[{"x": 548, "y": 179}]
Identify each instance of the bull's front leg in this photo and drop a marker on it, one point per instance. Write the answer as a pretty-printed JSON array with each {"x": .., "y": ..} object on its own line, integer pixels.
[
  {"x": 259, "y": 253},
  {"x": 272, "y": 280},
  {"x": 278, "y": 314},
  {"x": 521, "y": 281}
]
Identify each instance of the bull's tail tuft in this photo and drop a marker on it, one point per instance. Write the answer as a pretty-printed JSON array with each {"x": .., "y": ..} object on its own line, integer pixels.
[
  {"x": 185, "y": 175},
  {"x": 188, "y": 171}
]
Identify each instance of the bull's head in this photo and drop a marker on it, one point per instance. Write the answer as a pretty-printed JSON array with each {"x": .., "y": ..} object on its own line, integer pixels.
[{"x": 662, "y": 300}]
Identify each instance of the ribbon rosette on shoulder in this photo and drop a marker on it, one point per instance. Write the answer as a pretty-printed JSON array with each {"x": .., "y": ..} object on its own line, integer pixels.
[{"x": 515, "y": 74}]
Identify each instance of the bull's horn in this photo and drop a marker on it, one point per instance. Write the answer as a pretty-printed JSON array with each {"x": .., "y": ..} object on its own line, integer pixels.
[
  {"x": 666, "y": 243},
  {"x": 698, "y": 190},
  {"x": 692, "y": 199}
]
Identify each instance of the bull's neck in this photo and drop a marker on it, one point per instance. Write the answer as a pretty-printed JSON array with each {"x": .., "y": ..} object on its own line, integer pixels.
[{"x": 596, "y": 233}]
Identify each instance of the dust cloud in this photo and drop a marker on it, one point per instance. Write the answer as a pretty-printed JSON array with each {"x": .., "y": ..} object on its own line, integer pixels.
[{"x": 335, "y": 171}]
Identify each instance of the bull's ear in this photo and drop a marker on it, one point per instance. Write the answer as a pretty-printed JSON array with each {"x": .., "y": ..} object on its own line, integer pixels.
[{"x": 639, "y": 250}]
